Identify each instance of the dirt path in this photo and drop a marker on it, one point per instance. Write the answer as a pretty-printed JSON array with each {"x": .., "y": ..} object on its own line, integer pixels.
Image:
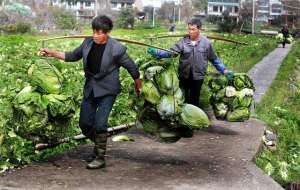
[{"x": 217, "y": 158}]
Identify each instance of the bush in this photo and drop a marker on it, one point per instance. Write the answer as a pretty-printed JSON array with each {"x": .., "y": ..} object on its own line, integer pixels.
[
  {"x": 23, "y": 27},
  {"x": 126, "y": 18},
  {"x": 19, "y": 27},
  {"x": 227, "y": 24},
  {"x": 64, "y": 19}
]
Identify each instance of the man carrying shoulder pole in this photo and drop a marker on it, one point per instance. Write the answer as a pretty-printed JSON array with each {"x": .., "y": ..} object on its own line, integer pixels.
[
  {"x": 195, "y": 51},
  {"x": 102, "y": 57}
]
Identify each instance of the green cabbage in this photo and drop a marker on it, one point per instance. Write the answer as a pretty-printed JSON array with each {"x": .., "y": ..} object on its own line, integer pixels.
[
  {"x": 193, "y": 117},
  {"x": 242, "y": 80},
  {"x": 152, "y": 71},
  {"x": 243, "y": 99},
  {"x": 168, "y": 135},
  {"x": 168, "y": 107},
  {"x": 230, "y": 91},
  {"x": 59, "y": 105},
  {"x": 167, "y": 81},
  {"x": 179, "y": 96},
  {"x": 239, "y": 114},
  {"x": 150, "y": 93},
  {"x": 220, "y": 110},
  {"x": 279, "y": 37},
  {"x": 46, "y": 77},
  {"x": 217, "y": 83}
]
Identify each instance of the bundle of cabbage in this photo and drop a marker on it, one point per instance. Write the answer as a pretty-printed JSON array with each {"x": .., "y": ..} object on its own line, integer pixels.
[
  {"x": 232, "y": 100},
  {"x": 45, "y": 77},
  {"x": 40, "y": 113},
  {"x": 162, "y": 113},
  {"x": 280, "y": 38},
  {"x": 290, "y": 39}
]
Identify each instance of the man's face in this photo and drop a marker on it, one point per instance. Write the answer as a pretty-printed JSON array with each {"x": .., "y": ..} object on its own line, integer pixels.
[
  {"x": 193, "y": 31},
  {"x": 100, "y": 37}
]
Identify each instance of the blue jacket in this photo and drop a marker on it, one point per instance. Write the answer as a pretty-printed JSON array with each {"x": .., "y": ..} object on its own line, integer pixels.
[{"x": 194, "y": 58}]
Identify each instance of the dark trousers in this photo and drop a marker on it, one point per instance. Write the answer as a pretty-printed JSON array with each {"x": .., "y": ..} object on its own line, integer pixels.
[
  {"x": 191, "y": 89},
  {"x": 94, "y": 113},
  {"x": 284, "y": 41}
]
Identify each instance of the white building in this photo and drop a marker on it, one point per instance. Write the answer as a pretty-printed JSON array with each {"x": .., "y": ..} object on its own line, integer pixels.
[
  {"x": 118, "y": 4},
  {"x": 268, "y": 10},
  {"x": 217, "y": 7},
  {"x": 81, "y": 8}
]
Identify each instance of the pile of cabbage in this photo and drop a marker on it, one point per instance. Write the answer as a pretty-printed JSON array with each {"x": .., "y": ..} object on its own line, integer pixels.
[
  {"x": 162, "y": 112},
  {"x": 279, "y": 37},
  {"x": 231, "y": 100},
  {"x": 39, "y": 112}
]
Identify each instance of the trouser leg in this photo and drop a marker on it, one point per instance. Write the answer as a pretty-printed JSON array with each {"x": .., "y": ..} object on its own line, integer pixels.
[
  {"x": 87, "y": 117},
  {"x": 104, "y": 106},
  {"x": 195, "y": 91},
  {"x": 185, "y": 87}
]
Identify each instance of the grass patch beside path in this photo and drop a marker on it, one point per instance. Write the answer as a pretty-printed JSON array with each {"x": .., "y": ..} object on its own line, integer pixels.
[{"x": 280, "y": 109}]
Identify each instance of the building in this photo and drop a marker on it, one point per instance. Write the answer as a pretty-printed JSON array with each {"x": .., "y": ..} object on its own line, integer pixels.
[
  {"x": 82, "y": 8},
  {"x": 86, "y": 8},
  {"x": 268, "y": 10},
  {"x": 118, "y": 4},
  {"x": 217, "y": 7}
]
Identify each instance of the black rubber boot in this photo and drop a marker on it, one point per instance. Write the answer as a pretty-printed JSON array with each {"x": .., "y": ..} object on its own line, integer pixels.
[{"x": 99, "y": 150}]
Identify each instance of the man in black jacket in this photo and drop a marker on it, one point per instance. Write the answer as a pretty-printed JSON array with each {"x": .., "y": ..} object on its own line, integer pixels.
[
  {"x": 102, "y": 57},
  {"x": 285, "y": 33}
]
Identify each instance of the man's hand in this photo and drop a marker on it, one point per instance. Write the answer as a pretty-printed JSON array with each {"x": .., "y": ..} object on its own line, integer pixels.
[
  {"x": 51, "y": 53},
  {"x": 138, "y": 86},
  {"x": 152, "y": 51},
  {"x": 228, "y": 74},
  {"x": 46, "y": 52}
]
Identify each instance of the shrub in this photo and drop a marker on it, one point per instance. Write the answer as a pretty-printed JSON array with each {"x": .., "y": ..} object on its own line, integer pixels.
[
  {"x": 227, "y": 24},
  {"x": 64, "y": 19},
  {"x": 19, "y": 27},
  {"x": 126, "y": 18}
]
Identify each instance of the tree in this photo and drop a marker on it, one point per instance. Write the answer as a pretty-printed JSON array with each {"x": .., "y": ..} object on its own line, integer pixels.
[
  {"x": 228, "y": 23},
  {"x": 126, "y": 18},
  {"x": 166, "y": 12},
  {"x": 200, "y": 5}
]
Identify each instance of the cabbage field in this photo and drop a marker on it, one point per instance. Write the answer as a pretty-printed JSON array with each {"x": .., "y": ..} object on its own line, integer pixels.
[{"x": 40, "y": 97}]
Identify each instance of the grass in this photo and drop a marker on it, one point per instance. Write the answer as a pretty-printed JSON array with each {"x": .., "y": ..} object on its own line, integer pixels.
[{"x": 280, "y": 110}]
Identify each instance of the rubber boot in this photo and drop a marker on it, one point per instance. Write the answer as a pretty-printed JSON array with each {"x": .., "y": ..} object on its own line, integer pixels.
[
  {"x": 99, "y": 150},
  {"x": 91, "y": 135}
]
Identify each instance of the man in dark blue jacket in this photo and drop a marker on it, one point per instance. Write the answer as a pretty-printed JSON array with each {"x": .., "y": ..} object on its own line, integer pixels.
[
  {"x": 195, "y": 51},
  {"x": 102, "y": 57}
]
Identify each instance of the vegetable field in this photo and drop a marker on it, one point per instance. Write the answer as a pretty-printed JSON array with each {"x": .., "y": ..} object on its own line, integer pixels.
[{"x": 30, "y": 114}]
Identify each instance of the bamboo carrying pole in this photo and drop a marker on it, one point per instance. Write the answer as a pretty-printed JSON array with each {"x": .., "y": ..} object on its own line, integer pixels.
[
  {"x": 209, "y": 37},
  {"x": 119, "y": 39},
  {"x": 111, "y": 131}
]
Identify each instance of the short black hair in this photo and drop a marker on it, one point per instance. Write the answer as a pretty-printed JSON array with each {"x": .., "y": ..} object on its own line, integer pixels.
[
  {"x": 195, "y": 21},
  {"x": 103, "y": 23}
]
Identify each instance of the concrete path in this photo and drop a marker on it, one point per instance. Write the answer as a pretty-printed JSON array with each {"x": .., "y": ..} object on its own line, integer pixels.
[
  {"x": 218, "y": 158},
  {"x": 265, "y": 71}
]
